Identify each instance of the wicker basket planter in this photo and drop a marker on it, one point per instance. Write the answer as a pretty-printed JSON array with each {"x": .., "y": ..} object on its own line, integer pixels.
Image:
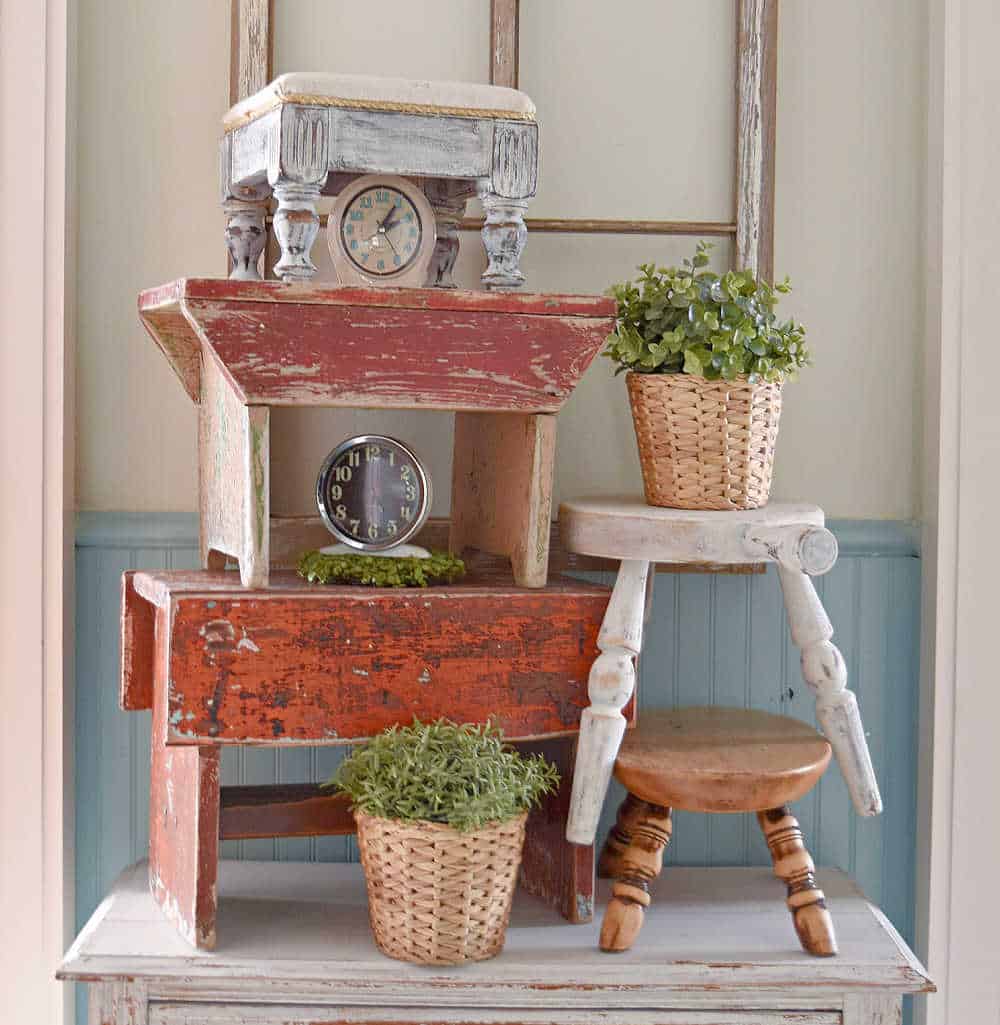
[
  {"x": 705, "y": 444},
  {"x": 437, "y": 895}
]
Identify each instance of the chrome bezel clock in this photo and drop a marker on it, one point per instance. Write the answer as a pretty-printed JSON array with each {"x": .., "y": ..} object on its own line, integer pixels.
[
  {"x": 327, "y": 502},
  {"x": 348, "y": 262}
]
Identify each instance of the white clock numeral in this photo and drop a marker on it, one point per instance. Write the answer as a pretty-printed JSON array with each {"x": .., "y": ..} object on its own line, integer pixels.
[
  {"x": 354, "y": 458},
  {"x": 355, "y": 526},
  {"x": 340, "y": 512},
  {"x": 373, "y": 531},
  {"x": 372, "y": 452},
  {"x": 336, "y": 492},
  {"x": 405, "y": 512},
  {"x": 342, "y": 473},
  {"x": 392, "y": 528}
]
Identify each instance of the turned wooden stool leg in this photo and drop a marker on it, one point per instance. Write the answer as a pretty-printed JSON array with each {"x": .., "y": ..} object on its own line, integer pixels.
[
  {"x": 630, "y": 811},
  {"x": 794, "y": 865},
  {"x": 639, "y": 863}
]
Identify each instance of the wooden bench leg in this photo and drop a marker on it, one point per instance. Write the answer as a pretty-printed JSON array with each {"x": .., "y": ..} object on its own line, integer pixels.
[
  {"x": 183, "y": 825},
  {"x": 557, "y": 871},
  {"x": 637, "y": 866},
  {"x": 794, "y": 866}
]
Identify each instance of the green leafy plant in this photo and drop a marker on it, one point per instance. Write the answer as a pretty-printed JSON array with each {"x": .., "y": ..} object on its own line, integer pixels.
[
  {"x": 463, "y": 776},
  {"x": 377, "y": 571},
  {"x": 690, "y": 320}
]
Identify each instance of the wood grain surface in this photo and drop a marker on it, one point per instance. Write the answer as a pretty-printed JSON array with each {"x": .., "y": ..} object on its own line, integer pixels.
[
  {"x": 297, "y": 663},
  {"x": 404, "y": 348},
  {"x": 720, "y": 759}
]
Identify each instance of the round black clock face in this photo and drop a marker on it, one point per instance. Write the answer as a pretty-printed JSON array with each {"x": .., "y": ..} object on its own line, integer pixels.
[{"x": 372, "y": 492}]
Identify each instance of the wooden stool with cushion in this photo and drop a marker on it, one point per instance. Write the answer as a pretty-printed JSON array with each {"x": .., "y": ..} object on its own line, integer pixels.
[{"x": 714, "y": 760}]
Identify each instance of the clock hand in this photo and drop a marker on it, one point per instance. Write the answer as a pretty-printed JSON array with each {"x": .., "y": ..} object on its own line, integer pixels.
[{"x": 391, "y": 246}]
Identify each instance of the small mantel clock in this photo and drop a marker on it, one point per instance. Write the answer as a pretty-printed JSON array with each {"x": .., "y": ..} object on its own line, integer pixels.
[
  {"x": 381, "y": 231},
  {"x": 374, "y": 495}
]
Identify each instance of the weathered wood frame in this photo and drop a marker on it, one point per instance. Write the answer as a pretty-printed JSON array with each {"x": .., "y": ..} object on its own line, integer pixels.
[{"x": 752, "y": 228}]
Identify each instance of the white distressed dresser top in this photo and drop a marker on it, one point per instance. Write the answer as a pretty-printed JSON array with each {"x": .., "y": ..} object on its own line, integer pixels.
[{"x": 302, "y": 930}]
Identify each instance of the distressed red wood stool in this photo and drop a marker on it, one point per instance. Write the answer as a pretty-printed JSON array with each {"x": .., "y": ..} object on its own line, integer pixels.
[
  {"x": 301, "y": 664},
  {"x": 714, "y": 760},
  {"x": 503, "y": 363}
]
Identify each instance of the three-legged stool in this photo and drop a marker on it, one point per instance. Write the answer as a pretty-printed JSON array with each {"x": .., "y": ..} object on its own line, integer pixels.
[
  {"x": 714, "y": 760},
  {"x": 639, "y": 535}
]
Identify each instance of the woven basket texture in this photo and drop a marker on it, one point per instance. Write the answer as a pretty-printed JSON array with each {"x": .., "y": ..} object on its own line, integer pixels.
[
  {"x": 435, "y": 895},
  {"x": 705, "y": 444}
]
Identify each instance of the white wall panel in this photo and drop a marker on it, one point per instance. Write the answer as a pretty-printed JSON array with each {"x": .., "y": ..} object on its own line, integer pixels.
[
  {"x": 448, "y": 39},
  {"x": 637, "y": 107}
]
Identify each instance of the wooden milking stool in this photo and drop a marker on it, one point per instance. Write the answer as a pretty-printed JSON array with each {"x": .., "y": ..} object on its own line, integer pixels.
[{"x": 714, "y": 760}]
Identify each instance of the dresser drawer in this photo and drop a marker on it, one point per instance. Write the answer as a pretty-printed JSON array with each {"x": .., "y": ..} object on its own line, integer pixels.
[{"x": 288, "y": 1014}]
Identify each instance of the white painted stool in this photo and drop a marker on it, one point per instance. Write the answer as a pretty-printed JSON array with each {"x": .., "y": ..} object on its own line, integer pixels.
[
  {"x": 310, "y": 134},
  {"x": 640, "y": 535}
]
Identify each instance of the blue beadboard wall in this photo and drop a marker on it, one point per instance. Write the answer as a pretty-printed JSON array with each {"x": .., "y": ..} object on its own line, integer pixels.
[{"x": 718, "y": 639}]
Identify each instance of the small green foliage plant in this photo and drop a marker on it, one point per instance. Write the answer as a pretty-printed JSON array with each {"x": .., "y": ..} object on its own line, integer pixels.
[
  {"x": 690, "y": 320},
  {"x": 378, "y": 571},
  {"x": 462, "y": 776}
]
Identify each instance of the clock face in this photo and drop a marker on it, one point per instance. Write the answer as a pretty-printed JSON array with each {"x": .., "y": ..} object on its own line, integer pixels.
[
  {"x": 372, "y": 492},
  {"x": 381, "y": 231}
]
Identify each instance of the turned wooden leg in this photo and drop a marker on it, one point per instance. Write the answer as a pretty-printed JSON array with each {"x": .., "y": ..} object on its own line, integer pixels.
[
  {"x": 794, "y": 865},
  {"x": 448, "y": 200},
  {"x": 640, "y": 862},
  {"x": 504, "y": 236},
  {"x": 246, "y": 235},
  {"x": 824, "y": 670},
  {"x": 610, "y": 685},
  {"x": 630, "y": 811},
  {"x": 296, "y": 225}
]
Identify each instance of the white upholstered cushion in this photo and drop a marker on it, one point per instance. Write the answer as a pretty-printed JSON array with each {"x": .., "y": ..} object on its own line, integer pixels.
[{"x": 370, "y": 92}]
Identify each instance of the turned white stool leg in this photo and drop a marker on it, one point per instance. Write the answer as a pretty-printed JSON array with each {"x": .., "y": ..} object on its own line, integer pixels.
[
  {"x": 449, "y": 206},
  {"x": 611, "y": 684},
  {"x": 504, "y": 236},
  {"x": 246, "y": 235},
  {"x": 296, "y": 225},
  {"x": 836, "y": 707}
]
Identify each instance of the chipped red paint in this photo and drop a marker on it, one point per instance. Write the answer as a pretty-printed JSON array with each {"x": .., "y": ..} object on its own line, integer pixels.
[
  {"x": 137, "y": 647},
  {"x": 320, "y": 667},
  {"x": 402, "y": 348},
  {"x": 558, "y": 872},
  {"x": 183, "y": 823}
]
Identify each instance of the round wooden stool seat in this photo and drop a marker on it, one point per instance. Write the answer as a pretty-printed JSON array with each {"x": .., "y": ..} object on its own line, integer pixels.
[{"x": 720, "y": 759}]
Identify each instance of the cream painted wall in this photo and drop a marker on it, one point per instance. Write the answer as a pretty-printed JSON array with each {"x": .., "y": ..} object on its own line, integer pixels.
[{"x": 636, "y": 117}]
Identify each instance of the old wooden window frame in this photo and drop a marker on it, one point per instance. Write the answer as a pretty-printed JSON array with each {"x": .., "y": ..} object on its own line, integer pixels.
[{"x": 252, "y": 58}]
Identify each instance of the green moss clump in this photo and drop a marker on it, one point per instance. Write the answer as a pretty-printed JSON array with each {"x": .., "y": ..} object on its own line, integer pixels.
[
  {"x": 376, "y": 571},
  {"x": 462, "y": 776}
]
